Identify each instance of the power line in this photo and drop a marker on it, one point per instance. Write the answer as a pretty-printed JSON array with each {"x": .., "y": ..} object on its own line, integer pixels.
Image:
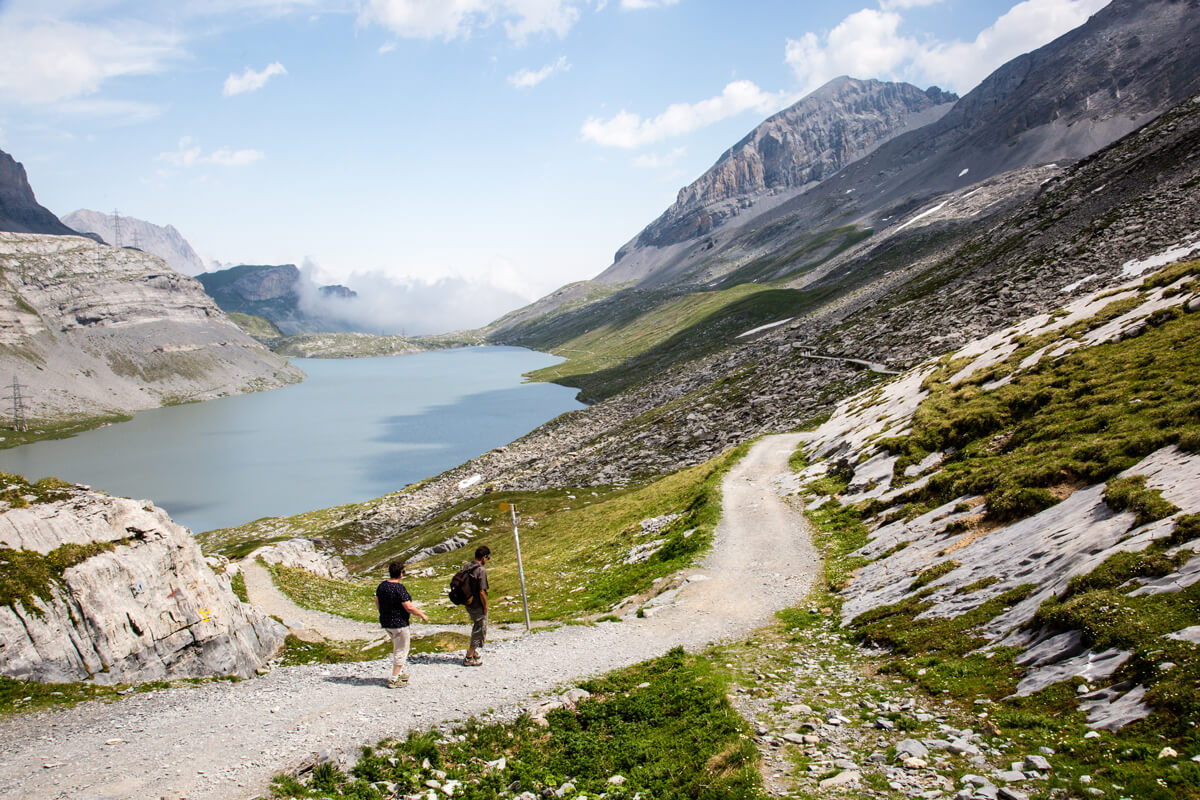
[
  {"x": 116, "y": 223},
  {"x": 18, "y": 407}
]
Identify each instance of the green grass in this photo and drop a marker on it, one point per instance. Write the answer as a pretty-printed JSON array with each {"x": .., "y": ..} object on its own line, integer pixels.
[
  {"x": 297, "y": 651},
  {"x": 26, "y": 574},
  {"x": 49, "y": 429},
  {"x": 258, "y": 327},
  {"x": 1077, "y": 420},
  {"x": 238, "y": 584},
  {"x": 664, "y": 725},
  {"x": 23, "y": 697},
  {"x": 573, "y": 545}
]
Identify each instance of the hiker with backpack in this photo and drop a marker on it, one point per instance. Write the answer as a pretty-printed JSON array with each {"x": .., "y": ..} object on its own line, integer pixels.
[
  {"x": 469, "y": 588},
  {"x": 395, "y": 607}
]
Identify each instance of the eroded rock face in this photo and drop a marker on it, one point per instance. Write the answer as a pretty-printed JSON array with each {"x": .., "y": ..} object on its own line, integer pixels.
[
  {"x": 303, "y": 554},
  {"x": 796, "y": 148},
  {"x": 92, "y": 329},
  {"x": 148, "y": 607}
]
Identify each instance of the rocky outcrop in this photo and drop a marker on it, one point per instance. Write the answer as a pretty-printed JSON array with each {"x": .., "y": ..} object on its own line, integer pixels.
[
  {"x": 280, "y": 293},
  {"x": 136, "y": 601},
  {"x": 165, "y": 242},
  {"x": 303, "y": 554},
  {"x": 91, "y": 329},
  {"x": 19, "y": 209},
  {"x": 798, "y": 147}
]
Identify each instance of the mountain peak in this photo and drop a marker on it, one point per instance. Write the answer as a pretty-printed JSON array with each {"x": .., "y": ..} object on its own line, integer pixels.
[{"x": 796, "y": 148}]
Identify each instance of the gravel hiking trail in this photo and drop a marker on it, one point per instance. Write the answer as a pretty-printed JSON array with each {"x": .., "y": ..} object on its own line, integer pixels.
[{"x": 224, "y": 740}]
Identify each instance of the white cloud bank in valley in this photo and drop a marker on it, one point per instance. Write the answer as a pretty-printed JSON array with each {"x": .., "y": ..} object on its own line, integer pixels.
[
  {"x": 868, "y": 44},
  {"x": 389, "y": 305},
  {"x": 251, "y": 81}
]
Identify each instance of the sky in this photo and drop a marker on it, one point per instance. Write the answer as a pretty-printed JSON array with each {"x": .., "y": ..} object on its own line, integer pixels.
[{"x": 453, "y": 159}]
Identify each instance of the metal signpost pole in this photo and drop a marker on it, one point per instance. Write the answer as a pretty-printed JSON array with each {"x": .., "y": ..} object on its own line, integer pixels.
[{"x": 520, "y": 566}]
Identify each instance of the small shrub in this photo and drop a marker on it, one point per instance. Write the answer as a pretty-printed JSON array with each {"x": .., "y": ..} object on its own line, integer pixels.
[
  {"x": 1007, "y": 505},
  {"x": 933, "y": 573},
  {"x": 1131, "y": 494}
]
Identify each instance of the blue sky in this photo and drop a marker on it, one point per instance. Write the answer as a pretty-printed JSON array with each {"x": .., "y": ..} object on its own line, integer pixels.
[{"x": 451, "y": 157}]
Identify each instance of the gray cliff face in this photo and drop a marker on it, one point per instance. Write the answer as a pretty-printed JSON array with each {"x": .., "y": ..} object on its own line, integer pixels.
[
  {"x": 801, "y": 146},
  {"x": 150, "y": 607},
  {"x": 19, "y": 209},
  {"x": 165, "y": 242},
  {"x": 88, "y": 329}
]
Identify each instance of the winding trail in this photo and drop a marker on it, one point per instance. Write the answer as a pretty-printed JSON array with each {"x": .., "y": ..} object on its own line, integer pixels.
[
  {"x": 267, "y": 598},
  {"x": 225, "y": 740}
]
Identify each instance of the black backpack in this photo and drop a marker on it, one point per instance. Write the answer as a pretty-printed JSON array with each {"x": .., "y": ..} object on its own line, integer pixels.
[{"x": 460, "y": 586}]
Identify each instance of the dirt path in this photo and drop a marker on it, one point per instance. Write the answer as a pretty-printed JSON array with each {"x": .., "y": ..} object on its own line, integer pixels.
[
  {"x": 225, "y": 740},
  {"x": 266, "y": 597}
]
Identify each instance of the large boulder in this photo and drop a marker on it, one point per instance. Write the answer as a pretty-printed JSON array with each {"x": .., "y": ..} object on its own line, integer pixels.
[
  {"x": 112, "y": 590},
  {"x": 303, "y": 554}
]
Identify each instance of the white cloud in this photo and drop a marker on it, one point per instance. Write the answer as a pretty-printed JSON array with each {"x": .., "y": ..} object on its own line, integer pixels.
[
  {"x": 630, "y": 130},
  {"x": 47, "y": 61},
  {"x": 640, "y": 4},
  {"x": 888, "y": 5},
  {"x": 251, "y": 81},
  {"x": 864, "y": 45},
  {"x": 387, "y": 47},
  {"x": 527, "y": 78},
  {"x": 1026, "y": 26},
  {"x": 868, "y": 44},
  {"x": 387, "y": 304},
  {"x": 190, "y": 154},
  {"x": 659, "y": 160},
  {"x": 453, "y": 19}
]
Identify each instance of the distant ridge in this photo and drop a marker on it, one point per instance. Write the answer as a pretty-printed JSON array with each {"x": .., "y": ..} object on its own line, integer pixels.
[{"x": 165, "y": 242}]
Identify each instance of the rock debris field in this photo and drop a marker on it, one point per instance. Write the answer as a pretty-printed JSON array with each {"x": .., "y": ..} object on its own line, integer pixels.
[{"x": 226, "y": 740}]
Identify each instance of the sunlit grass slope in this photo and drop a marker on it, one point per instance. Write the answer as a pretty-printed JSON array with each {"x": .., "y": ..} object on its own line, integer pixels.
[{"x": 574, "y": 543}]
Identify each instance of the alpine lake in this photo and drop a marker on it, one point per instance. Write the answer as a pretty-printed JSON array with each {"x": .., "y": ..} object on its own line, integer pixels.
[{"x": 353, "y": 430}]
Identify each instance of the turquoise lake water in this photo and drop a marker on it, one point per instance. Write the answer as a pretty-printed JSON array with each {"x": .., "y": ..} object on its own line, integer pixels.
[{"x": 355, "y": 429}]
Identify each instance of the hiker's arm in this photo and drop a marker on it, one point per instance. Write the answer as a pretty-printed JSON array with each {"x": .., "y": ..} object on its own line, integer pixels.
[
  {"x": 376, "y": 602},
  {"x": 483, "y": 599},
  {"x": 411, "y": 608}
]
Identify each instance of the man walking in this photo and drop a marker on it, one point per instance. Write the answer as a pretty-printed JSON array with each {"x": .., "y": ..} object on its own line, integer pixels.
[
  {"x": 395, "y": 606},
  {"x": 477, "y": 603}
]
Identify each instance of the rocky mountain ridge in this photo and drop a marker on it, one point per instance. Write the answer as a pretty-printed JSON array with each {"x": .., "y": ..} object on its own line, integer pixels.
[
  {"x": 165, "y": 242},
  {"x": 1088, "y": 88},
  {"x": 89, "y": 329},
  {"x": 793, "y": 150},
  {"x": 279, "y": 293},
  {"x": 135, "y": 600},
  {"x": 20, "y": 211}
]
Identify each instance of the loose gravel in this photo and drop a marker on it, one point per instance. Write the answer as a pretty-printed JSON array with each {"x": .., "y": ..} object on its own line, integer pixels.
[{"x": 225, "y": 740}]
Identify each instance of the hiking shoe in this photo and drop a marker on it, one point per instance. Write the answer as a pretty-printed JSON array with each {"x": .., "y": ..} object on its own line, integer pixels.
[
  {"x": 398, "y": 681},
  {"x": 472, "y": 661}
]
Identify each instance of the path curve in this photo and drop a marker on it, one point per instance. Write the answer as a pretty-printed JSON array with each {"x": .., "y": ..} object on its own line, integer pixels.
[
  {"x": 266, "y": 597},
  {"x": 225, "y": 740}
]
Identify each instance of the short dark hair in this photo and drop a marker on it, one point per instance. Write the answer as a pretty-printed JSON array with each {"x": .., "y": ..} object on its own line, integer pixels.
[
  {"x": 395, "y": 569},
  {"x": 481, "y": 551}
]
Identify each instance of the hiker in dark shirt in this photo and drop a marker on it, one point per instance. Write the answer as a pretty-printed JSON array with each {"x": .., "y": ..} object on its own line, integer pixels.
[
  {"x": 477, "y": 604},
  {"x": 395, "y": 607}
]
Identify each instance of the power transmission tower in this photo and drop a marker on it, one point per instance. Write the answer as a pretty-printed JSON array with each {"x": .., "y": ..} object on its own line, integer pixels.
[
  {"x": 116, "y": 221},
  {"x": 18, "y": 407},
  {"x": 137, "y": 240}
]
